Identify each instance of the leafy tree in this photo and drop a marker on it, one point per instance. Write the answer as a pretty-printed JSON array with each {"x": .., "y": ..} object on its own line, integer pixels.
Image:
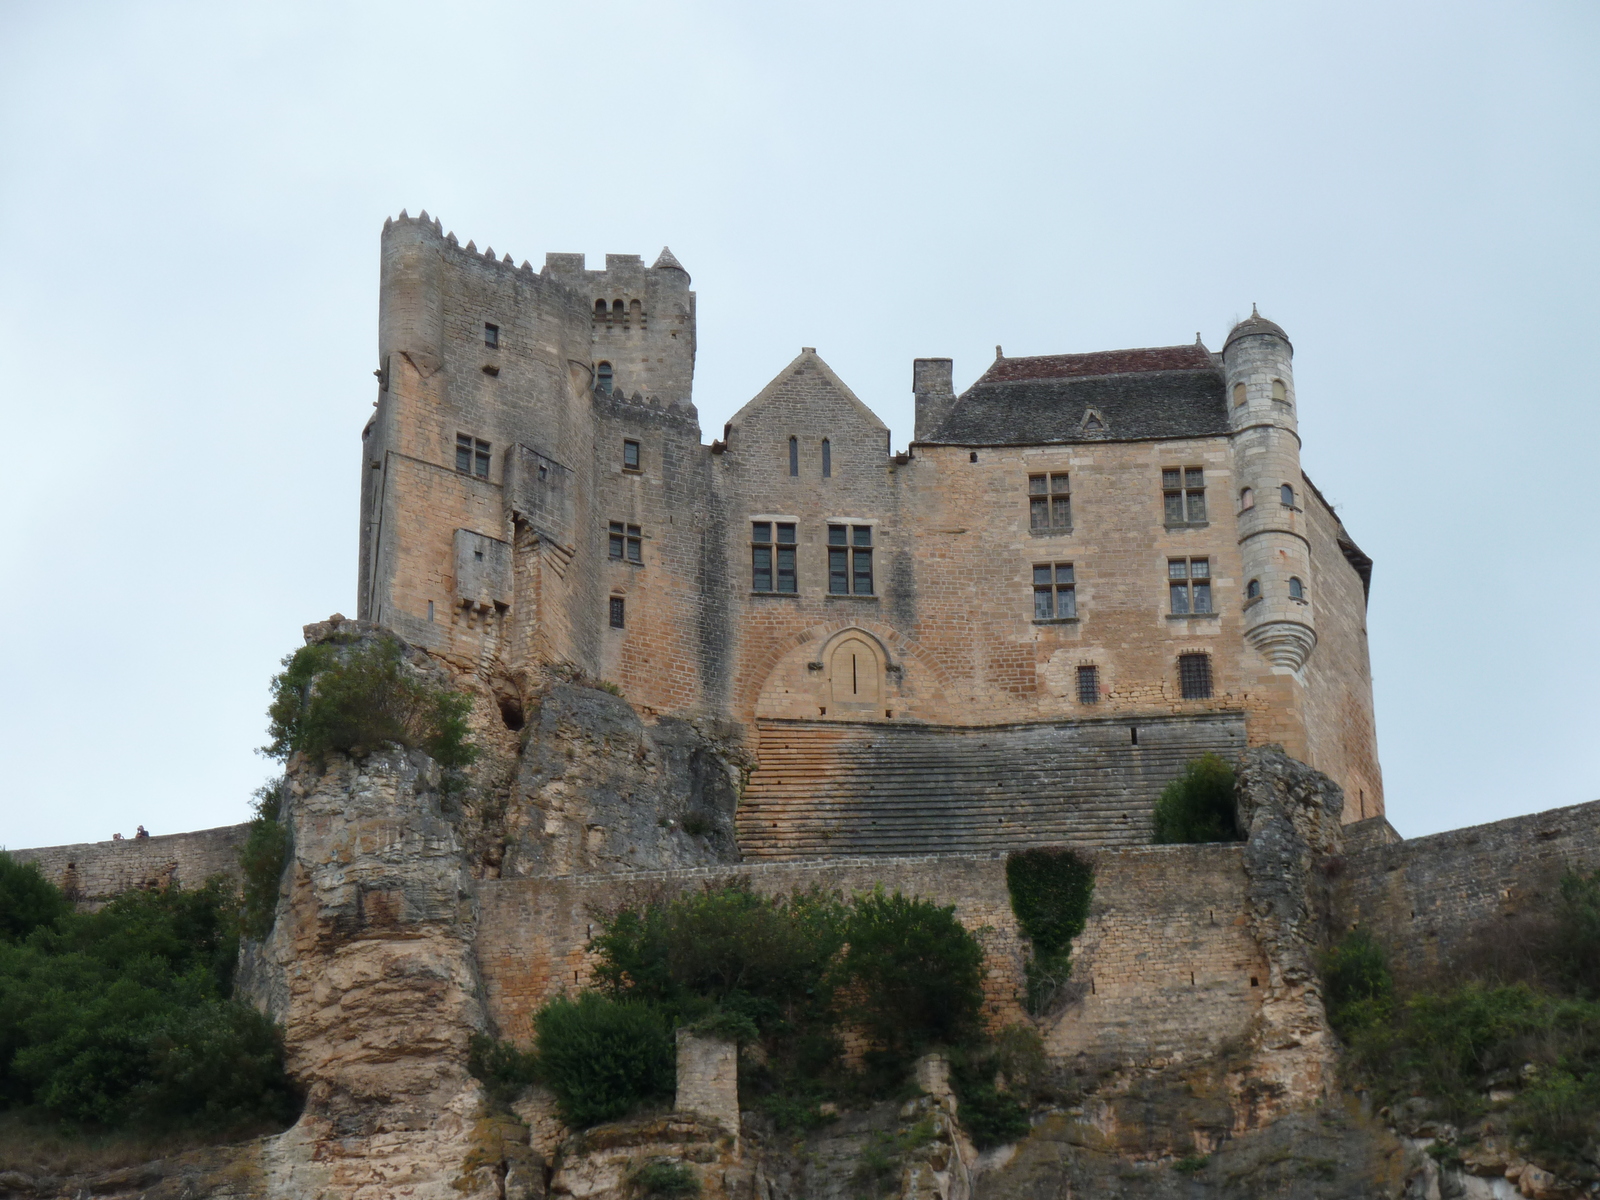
[
  {"x": 603, "y": 1058},
  {"x": 1198, "y": 806},
  {"x": 1357, "y": 985},
  {"x": 27, "y": 899}
]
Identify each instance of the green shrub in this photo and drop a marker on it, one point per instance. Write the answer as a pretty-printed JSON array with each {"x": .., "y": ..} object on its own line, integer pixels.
[
  {"x": 261, "y": 862},
  {"x": 336, "y": 697},
  {"x": 502, "y": 1068},
  {"x": 1198, "y": 806},
  {"x": 122, "y": 1018},
  {"x": 1357, "y": 986},
  {"x": 27, "y": 899},
  {"x": 1575, "y": 946},
  {"x": 1050, "y": 893},
  {"x": 990, "y": 1116},
  {"x": 665, "y": 1180},
  {"x": 914, "y": 972},
  {"x": 603, "y": 1058}
]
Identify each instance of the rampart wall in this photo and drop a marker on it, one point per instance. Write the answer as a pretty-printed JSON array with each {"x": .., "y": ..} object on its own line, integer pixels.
[
  {"x": 1427, "y": 899},
  {"x": 1166, "y": 965},
  {"x": 93, "y": 872}
]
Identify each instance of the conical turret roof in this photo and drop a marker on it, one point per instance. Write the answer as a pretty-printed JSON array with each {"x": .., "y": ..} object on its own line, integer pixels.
[{"x": 1253, "y": 324}]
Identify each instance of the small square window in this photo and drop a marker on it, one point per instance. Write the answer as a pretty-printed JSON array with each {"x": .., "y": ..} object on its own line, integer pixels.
[
  {"x": 617, "y": 612},
  {"x": 630, "y": 455},
  {"x": 491, "y": 335}
]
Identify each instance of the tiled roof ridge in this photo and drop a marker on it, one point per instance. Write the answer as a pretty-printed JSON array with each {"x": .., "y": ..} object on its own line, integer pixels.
[{"x": 1137, "y": 360}]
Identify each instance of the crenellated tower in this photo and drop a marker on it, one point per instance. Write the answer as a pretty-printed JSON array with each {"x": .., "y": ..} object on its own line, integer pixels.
[{"x": 1273, "y": 538}]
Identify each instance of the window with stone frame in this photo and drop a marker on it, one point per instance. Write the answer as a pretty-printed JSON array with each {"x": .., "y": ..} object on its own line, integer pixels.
[
  {"x": 630, "y": 455},
  {"x": 472, "y": 455},
  {"x": 1055, "y": 592},
  {"x": 850, "y": 560},
  {"x": 1088, "y": 685},
  {"x": 1050, "y": 501},
  {"x": 491, "y": 335},
  {"x": 1183, "y": 491},
  {"x": 1189, "y": 585},
  {"x": 617, "y": 613},
  {"x": 1194, "y": 676},
  {"x": 772, "y": 557},
  {"x": 627, "y": 542}
]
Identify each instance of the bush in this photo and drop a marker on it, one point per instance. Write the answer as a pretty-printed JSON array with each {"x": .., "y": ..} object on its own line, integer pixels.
[
  {"x": 355, "y": 699},
  {"x": 122, "y": 1018},
  {"x": 261, "y": 861},
  {"x": 991, "y": 1117},
  {"x": 27, "y": 899},
  {"x": 502, "y": 1068},
  {"x": 914, "y": 972},
  {"x": 665, "y": 1180},
  {"x": 1198, "y": 806},
  {"x": 1575, "y": 947},
  {"x": 1357, "y": 986},
  {"x": 1050, "y": 894},
  {"x": 603, "y": 1058}
]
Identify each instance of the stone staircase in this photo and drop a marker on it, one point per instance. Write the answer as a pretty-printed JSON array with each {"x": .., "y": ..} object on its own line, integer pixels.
[{"x": 826, "y": 789}]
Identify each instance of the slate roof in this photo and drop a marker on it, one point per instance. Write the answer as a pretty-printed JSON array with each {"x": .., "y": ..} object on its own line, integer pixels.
[{"x": 1110, "y": 396}]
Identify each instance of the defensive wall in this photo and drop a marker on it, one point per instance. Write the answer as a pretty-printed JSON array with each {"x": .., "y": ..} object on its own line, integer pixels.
[
  {"x": 1428, "y": 899},
  {"x": 91, "y": 873},
  {"x": 1167, "y": 964}
]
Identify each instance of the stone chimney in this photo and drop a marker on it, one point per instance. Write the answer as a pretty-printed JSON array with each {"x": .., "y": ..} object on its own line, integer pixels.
[{"x": 932, "y": 382}]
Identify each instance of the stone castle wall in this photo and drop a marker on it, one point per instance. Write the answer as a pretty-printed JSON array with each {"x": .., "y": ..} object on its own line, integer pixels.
[
  {"x": 93, "y": 872},
  {"x": 1428, "y": 899}
]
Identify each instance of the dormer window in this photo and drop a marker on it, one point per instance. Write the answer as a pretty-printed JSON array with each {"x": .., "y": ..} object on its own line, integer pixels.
[{"x": 602, "y": 377}]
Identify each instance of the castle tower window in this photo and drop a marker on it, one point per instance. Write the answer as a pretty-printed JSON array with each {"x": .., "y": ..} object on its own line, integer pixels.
[
  {"x": 630, "y": 455},
  {"x": 1297, "y": 590},
  {"x": 767, "y": 553},
  {"x": 491, "y": 335},
  {"x": 1194, "y": 676},
  {"x": 602, "y": 376},
  {"x": 1189, "y": 585},
  {"x": 599, "y": 308},
  {"x": 617, "y": 613},
  {"x": 1238, "y": 395},
  {"x": 627, "y": 542},
  {"x": 1247, "y": 499},
  {"x": 1088, "y": 685},
  {"x": 827, "y": 459},
  {"x": 1286, "y": 494},
  {"x": 617, "y": 309},
  {"x": 1279, "y": 392},
  {"x": 1252, "y": 590},
  {"x": 1049, "y": 502},
  {"x": 850, "y": 560},
  {"x": 1055, "y": 591},
  {"x": 1184, "y": 493},
  {"x": 794, "y": 456},
  {"x": 472, "y": 456}
]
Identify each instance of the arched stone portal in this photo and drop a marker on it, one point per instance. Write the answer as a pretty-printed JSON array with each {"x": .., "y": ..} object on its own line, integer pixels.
[{"x": 855, "y": 677}]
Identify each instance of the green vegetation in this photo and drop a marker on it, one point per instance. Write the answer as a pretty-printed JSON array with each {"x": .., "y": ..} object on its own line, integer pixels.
[
  {"x": 27, "y": 899},
  {"x": 355, "y": 698},
  {"x": 1050, "y": 894},
  {"x": 1193, "y": 1164},
  {"x": 261, "y": 862},
  {"x": 878, "y": 1168},
  {"x": 783, "y": 975},
  {"x": 665, "y": 1180},
  {"x": 1198, "y": 806},
  {"x": 991, "y": 1117},
  {"x": 122, "y": 1018},
  {"x": 1538, "y": 1035}
]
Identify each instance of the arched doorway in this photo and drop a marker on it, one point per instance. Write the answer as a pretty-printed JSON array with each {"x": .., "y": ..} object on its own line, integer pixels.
[{"x": 855, "y": 677}]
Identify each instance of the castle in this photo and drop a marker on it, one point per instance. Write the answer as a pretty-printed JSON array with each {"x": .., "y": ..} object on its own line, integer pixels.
[{"x": 1083, "y": 571}]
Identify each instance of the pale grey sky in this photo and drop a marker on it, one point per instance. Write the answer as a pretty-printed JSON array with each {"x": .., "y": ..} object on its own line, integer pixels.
[{"x": 191, "y": 197}]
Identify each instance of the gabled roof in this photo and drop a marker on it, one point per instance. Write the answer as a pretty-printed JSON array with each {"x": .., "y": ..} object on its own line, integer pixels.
[
  {"x": 1135, "y": 395},
  {"x": 807, "y": 376}
]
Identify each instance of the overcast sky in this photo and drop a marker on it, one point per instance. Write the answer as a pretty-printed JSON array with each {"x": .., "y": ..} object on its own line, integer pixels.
[{"x": 191, "y": 197}]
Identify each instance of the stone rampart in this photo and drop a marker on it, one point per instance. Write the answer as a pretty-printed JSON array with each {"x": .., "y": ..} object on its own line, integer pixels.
[
  {"x": 1428, "y": 898},
  {"x": 91, "y": 873}
]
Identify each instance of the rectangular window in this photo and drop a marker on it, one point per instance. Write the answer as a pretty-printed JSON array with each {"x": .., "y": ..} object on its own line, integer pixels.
[
  {"x": 1189, "y": 584},
  {"x": 627, "y": 542},
  {"x": 1055, "y": 592},
  {"x": 1194, "y": 676},
  {"x": 472, "y": 456},
  {"x": 1088, "y": 685},
  {"x": 630, "y": 455},
  {"x": 616, "y": 612},
  {"x": 1049, "y": 502},
  {"x": 491, "y": 335},
  {"x": 850, "y": 560},
  {"x": 827, "y": 459},
  {"x": 768, "y": 552},
  {"x": 1183, "y": 491}
]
